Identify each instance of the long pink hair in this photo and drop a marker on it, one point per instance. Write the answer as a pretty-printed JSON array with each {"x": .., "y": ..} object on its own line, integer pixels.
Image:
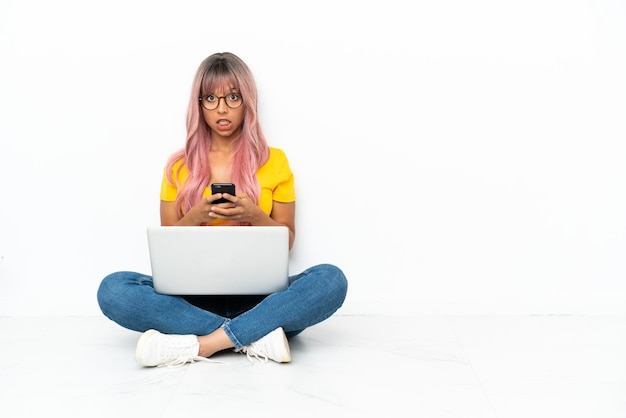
[{"x": 251, "y": 150}]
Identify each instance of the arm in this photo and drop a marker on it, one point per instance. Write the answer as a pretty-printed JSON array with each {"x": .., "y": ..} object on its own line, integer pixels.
[
  {"x": 285, "y": 214},
  {"x": 242, "y": 209},
  {"x": 197, "y": 215}
]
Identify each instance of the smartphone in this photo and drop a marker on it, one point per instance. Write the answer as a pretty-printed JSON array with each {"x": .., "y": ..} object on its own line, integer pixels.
[{"x": 222, "y": 188}]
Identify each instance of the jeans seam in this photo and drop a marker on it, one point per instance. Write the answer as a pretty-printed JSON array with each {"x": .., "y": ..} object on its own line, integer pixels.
[{"x": 229, "y": 333}]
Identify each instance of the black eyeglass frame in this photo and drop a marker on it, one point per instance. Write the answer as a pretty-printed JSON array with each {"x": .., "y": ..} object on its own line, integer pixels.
[{"x": 201, "y": 100}]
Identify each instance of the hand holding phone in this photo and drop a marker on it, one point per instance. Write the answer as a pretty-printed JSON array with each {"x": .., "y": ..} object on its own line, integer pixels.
[{"x": 223, "y": 188}]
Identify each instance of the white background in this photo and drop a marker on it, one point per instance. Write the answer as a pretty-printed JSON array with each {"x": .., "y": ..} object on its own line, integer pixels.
[{"x": 451, "y": 156}]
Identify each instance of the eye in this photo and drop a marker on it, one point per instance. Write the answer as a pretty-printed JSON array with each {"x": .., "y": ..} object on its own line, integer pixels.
[
  {"x": 233, "y": 97},
  {"x": 210, "y": 98}
]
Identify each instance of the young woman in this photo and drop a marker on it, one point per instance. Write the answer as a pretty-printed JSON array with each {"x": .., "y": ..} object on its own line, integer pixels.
[{"x": 225, "y": 144}]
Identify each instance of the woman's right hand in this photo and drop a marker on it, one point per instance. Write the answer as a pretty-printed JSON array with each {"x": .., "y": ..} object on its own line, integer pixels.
[{"x": 199, "y": 214}]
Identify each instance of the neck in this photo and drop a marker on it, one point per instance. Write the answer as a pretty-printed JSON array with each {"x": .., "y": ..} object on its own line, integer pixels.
[{"x": 222, "y": 145}]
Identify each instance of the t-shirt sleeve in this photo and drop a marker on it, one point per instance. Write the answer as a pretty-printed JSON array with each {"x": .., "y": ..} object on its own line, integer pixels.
[
  {"x": 169, "y": 191},
  {"x": 285, "y": 190}
]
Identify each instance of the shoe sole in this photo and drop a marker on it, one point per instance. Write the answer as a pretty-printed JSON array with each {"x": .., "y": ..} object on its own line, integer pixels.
[{"x": 140, "y": 346}]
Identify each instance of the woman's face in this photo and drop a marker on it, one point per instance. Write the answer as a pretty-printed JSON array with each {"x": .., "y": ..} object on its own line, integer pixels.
[{"x": 223, "y": 112}]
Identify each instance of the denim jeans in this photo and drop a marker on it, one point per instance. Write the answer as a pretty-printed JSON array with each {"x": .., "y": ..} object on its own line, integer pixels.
[{"x": 129, "y": 299}]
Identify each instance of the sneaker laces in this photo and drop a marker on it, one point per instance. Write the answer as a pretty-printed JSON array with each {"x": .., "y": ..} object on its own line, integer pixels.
[
  {"x": 272, "y": 346},
  {"x": 183, "y": 357},
  {"x": 182, "y": 360},
  {"x": 254, "y": 352}
]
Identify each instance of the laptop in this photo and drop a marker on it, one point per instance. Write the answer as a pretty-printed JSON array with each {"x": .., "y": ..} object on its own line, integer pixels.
[{"x": 219, "y": 260}]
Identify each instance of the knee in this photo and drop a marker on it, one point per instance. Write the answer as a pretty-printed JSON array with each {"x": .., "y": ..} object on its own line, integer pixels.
[
  {"x": 106, "y": 290},
  {"x": 336, "y": 280},
  {"x": 110, "y": 290}
]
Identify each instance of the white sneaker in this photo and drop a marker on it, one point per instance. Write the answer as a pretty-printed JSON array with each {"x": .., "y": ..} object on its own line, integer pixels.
[
  {"x": 273, "y": 346},
  {"x": 157, "y": 349}
]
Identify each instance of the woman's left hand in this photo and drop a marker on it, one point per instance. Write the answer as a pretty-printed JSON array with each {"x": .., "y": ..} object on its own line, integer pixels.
[{"x": 239, "y": 209}]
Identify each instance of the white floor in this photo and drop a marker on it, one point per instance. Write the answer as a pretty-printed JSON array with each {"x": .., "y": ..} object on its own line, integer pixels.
[{"x": 349, "y": 366}]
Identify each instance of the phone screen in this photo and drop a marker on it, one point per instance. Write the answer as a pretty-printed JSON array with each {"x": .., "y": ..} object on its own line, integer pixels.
[{"x": 222, "y": 188}]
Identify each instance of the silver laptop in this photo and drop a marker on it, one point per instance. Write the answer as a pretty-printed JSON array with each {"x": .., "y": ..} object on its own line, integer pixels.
[{"x": 219, "y": 260}]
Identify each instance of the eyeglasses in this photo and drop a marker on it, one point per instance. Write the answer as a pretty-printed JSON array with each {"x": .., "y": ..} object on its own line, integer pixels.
[{"x": 211, "y": 101}]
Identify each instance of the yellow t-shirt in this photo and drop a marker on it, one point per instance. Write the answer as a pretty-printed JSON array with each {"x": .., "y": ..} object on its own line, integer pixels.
[{"x": 275, "y": 178}]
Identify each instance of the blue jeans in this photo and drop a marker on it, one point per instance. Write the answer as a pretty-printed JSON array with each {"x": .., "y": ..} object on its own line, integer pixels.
[{"x": 129, "y": 299}]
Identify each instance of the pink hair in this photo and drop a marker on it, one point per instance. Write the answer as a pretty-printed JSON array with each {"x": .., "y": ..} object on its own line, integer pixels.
[{"x": 251, "y": 150}]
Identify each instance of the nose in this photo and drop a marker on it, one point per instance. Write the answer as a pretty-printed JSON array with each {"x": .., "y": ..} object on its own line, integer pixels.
[{"x": 221, "y": 104}]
